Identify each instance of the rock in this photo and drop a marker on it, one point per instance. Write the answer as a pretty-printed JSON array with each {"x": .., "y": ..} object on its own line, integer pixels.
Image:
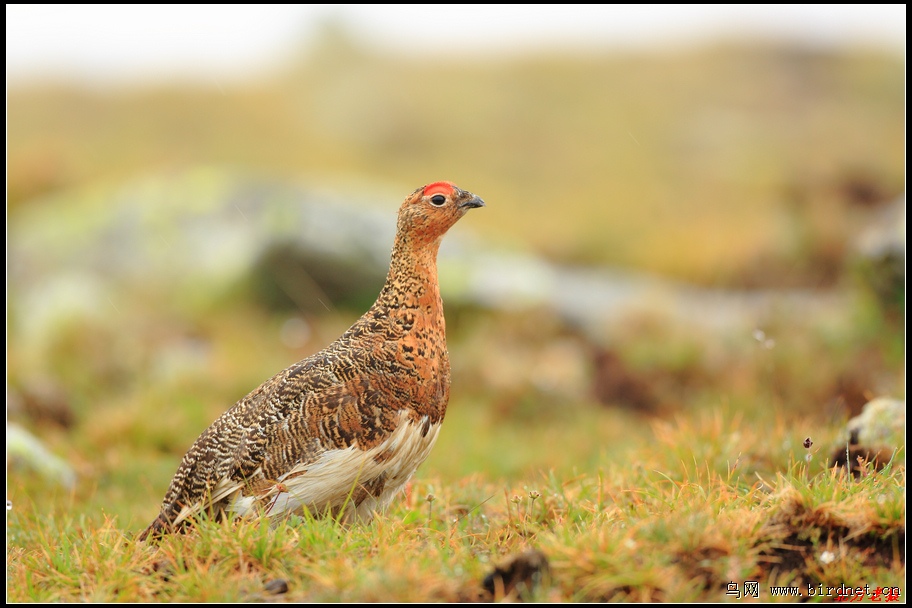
[
  {"x": 42, "y": 401},
  {"x": 873, "y": 437},
  {"x": 25, "y": 450},
  {"x": 880, "y": 252},
  {"x": 276, "y": 586},
  {"x": 521, "y": 575},
  {"x": 304, "y": 248},
  {"x": 615, "y": 383},
  {"x": 882, "y": 423}
]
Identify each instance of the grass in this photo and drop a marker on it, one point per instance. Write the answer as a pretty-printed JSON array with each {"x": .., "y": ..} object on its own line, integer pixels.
[{"x": 675, "y": 518}]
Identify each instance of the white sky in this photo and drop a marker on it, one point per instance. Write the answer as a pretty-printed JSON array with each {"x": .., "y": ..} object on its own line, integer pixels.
[{"x": 136, "y": 42}]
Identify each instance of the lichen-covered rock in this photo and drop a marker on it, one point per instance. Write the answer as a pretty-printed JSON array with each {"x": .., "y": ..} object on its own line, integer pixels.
[{"x": 882, "y": 423}]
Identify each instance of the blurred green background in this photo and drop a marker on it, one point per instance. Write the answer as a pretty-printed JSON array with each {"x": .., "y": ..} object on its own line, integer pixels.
[{"x": 160, "y": 257}]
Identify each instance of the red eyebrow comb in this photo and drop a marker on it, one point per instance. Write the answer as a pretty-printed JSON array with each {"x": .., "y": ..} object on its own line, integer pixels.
[{"x": 439, "y": 188}]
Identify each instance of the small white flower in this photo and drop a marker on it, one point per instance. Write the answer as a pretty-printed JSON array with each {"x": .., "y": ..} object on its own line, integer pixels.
[{"x": 827, "y": 557}]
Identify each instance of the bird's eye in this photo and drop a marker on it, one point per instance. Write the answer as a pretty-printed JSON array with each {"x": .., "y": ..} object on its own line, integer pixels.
[{"x": 438, "y": 200}]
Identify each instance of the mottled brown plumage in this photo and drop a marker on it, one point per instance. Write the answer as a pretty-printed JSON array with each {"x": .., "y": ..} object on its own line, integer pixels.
[{"x": 342, "y": 431}]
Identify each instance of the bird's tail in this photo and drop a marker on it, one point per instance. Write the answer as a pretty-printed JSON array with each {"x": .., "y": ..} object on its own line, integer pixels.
[{"x": 156, "y": 529}]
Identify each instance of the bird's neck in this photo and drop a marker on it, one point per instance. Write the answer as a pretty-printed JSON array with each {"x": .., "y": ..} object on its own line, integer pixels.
[{"x": 412, "y": 279}]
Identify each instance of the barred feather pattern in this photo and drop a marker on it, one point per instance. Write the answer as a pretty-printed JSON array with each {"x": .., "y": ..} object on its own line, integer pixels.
[{"x": 341, "y": 431}]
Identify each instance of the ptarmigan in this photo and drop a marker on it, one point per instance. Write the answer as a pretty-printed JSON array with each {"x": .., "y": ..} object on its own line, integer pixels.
[{"x": 342, "y": 431}]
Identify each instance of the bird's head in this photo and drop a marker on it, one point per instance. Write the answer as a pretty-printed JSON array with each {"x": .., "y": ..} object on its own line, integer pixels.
[{"x": 431, "y": 210}]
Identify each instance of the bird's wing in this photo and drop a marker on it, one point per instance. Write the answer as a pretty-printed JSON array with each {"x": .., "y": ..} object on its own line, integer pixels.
[
  {"x": 283, "y": 426},
  {"x": 230, "y": 453}
]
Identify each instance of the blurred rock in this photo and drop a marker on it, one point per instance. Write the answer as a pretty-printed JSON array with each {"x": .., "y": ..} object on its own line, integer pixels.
[
  {"x": 863, "y": 188},
  {"x": 289, "y": 276},
  {"x": 519, "y": 576},
  {"x": 194, "y": 234},
  {"x": 24, "y": 450},
  {"x": 874, "y": 437},
  {"x": 881, "y": 255},
  {"x": 276, "y": 586},
  {"x": 882, "y": 422},
  {"x": 614, "y": 383},
  {"x": 599, "y": 300},
  {"x": 210, "y": 225},
  {"x": 42, "y": 401}
]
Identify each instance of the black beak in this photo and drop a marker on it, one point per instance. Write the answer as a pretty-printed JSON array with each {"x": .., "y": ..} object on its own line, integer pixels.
[{"x": 472, "y": 203}]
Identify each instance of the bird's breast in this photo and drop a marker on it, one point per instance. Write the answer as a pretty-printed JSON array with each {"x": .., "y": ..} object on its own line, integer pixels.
[{"x": 419, "y": 361}]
